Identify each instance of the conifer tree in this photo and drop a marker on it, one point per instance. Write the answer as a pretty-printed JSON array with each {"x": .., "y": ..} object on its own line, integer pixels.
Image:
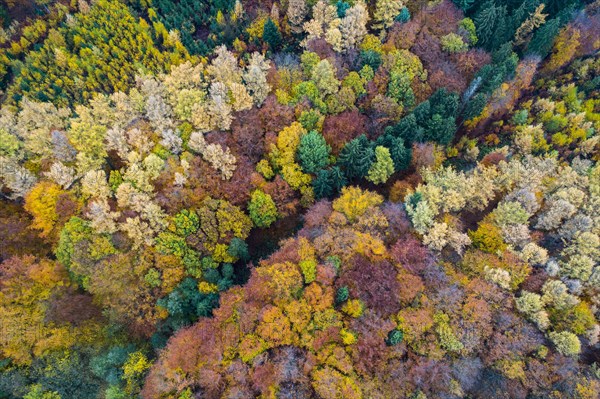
[
  {"x": 322, "y": 184},
  {"x": 357, "y": 157},
  {"x": 543, "y": 38},
  {"x": 487, "y": 21},
  {"x": 398, "y": 151},
  {"x": 271, "y": 35},
  {"x": 464, "y": 5},
  {"x": 313, "y": 152}
]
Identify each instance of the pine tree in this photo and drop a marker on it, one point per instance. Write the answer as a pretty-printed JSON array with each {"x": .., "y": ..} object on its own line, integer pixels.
[
  {"x": 541, "y": 43},
  {"x": 464, "y": 5},
  {"x": 398, "y": 151},
  {"x": 487, "y": 20},
  {"x": 440, "y": 130},
  {"x": 407, "y": 129},
  {"x": 322, "y": 184},
  {"x": 357, "y": 157},
  {"x": 313, "y": 152},
  {"x": 475, "y": 106},
  {"x": 404, "y": 15},
  {"x": 394, "y": 337},
  {"x": 337, "y": 178},
  {"x": 271, "y": 35}
]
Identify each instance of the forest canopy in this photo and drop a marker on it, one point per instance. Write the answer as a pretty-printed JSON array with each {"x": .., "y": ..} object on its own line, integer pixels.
[{"x": 299, "y": 199}]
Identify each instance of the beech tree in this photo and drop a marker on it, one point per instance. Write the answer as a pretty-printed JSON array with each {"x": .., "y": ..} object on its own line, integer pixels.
[
  {"x": 262, "y": 209},
  {"x": 323, "y": 74},
  {"x": 353, "y": 26},
  {"x": 296, "y": 13},
  {"x": 566, "y": 343},
  {"x": 255, "y": 78},
  {"x": 386, "y": 12},
  {"x": 382, "y": 168}
]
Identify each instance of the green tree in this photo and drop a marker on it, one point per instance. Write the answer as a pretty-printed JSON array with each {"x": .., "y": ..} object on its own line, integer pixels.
[
  {"x": 271, "y": 35},
  {"x": 313, "y": 152},
  {"x": 322, "y": 184},
  {"x": 398, "y": 151},
  {"x": 464, "y": 5},
  {"x": 543, "y": 38},
  {"x": 475, "y": 106},
  {"x": 488, "y": 22},
  {"x": 400, "y": 90},
  {"x": 371, "y": 58},
  {"x": 404, "y": 15},
  {"x": 357, "y": 157},
  {"x": 437, "y": 116},
  {"x": 328, "y": 182},
  {"x": 262, "y": 209},
  {"x": 337, "y": 178},
  {"x": 383, "y": 167},
  {"x": 394, "y": 337},
  {"x": 342, "y": 294}
]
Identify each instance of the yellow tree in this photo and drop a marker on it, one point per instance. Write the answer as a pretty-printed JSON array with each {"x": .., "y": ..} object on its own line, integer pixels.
[
  {"x": 41, "y": 204},
  {"x": 27, "y": 287}
]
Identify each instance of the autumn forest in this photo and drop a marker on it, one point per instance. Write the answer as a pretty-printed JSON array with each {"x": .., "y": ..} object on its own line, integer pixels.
[{"x": 300, "y": 199}]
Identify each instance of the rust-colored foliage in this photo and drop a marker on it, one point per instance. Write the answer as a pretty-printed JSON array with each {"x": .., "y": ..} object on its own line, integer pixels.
[{"x": 342, "y": 128}]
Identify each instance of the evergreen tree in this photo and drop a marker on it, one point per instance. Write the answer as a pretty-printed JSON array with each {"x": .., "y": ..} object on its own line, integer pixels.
[
  {"x": 322, "y": 184},
  {"x": 271, "y": 35},
  {"x": 475, "y": 106},
  {"x": 464, "y": 5},
  {"x": 342, "y": 294},
  {"x": 404, "y": 15},
  {"x": 543, "y": 39},
  {"x": 444, "y": 103},
  {"x": 313, "y": 152},
  {"x": 342, "y": 7},
  {"x": 329, "y": 182},
  {"x": 356, "y": 157},
  {"x": 337, "y": 178},
  {"x": 440, "y": 130},
  {"x": 398, "y": 151},
  {"x": 487, "y": 20},
  {"x": 394, "y": 337},
  {"x": 370, "y": 58},
  {"x": 407, "y": 129}
]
